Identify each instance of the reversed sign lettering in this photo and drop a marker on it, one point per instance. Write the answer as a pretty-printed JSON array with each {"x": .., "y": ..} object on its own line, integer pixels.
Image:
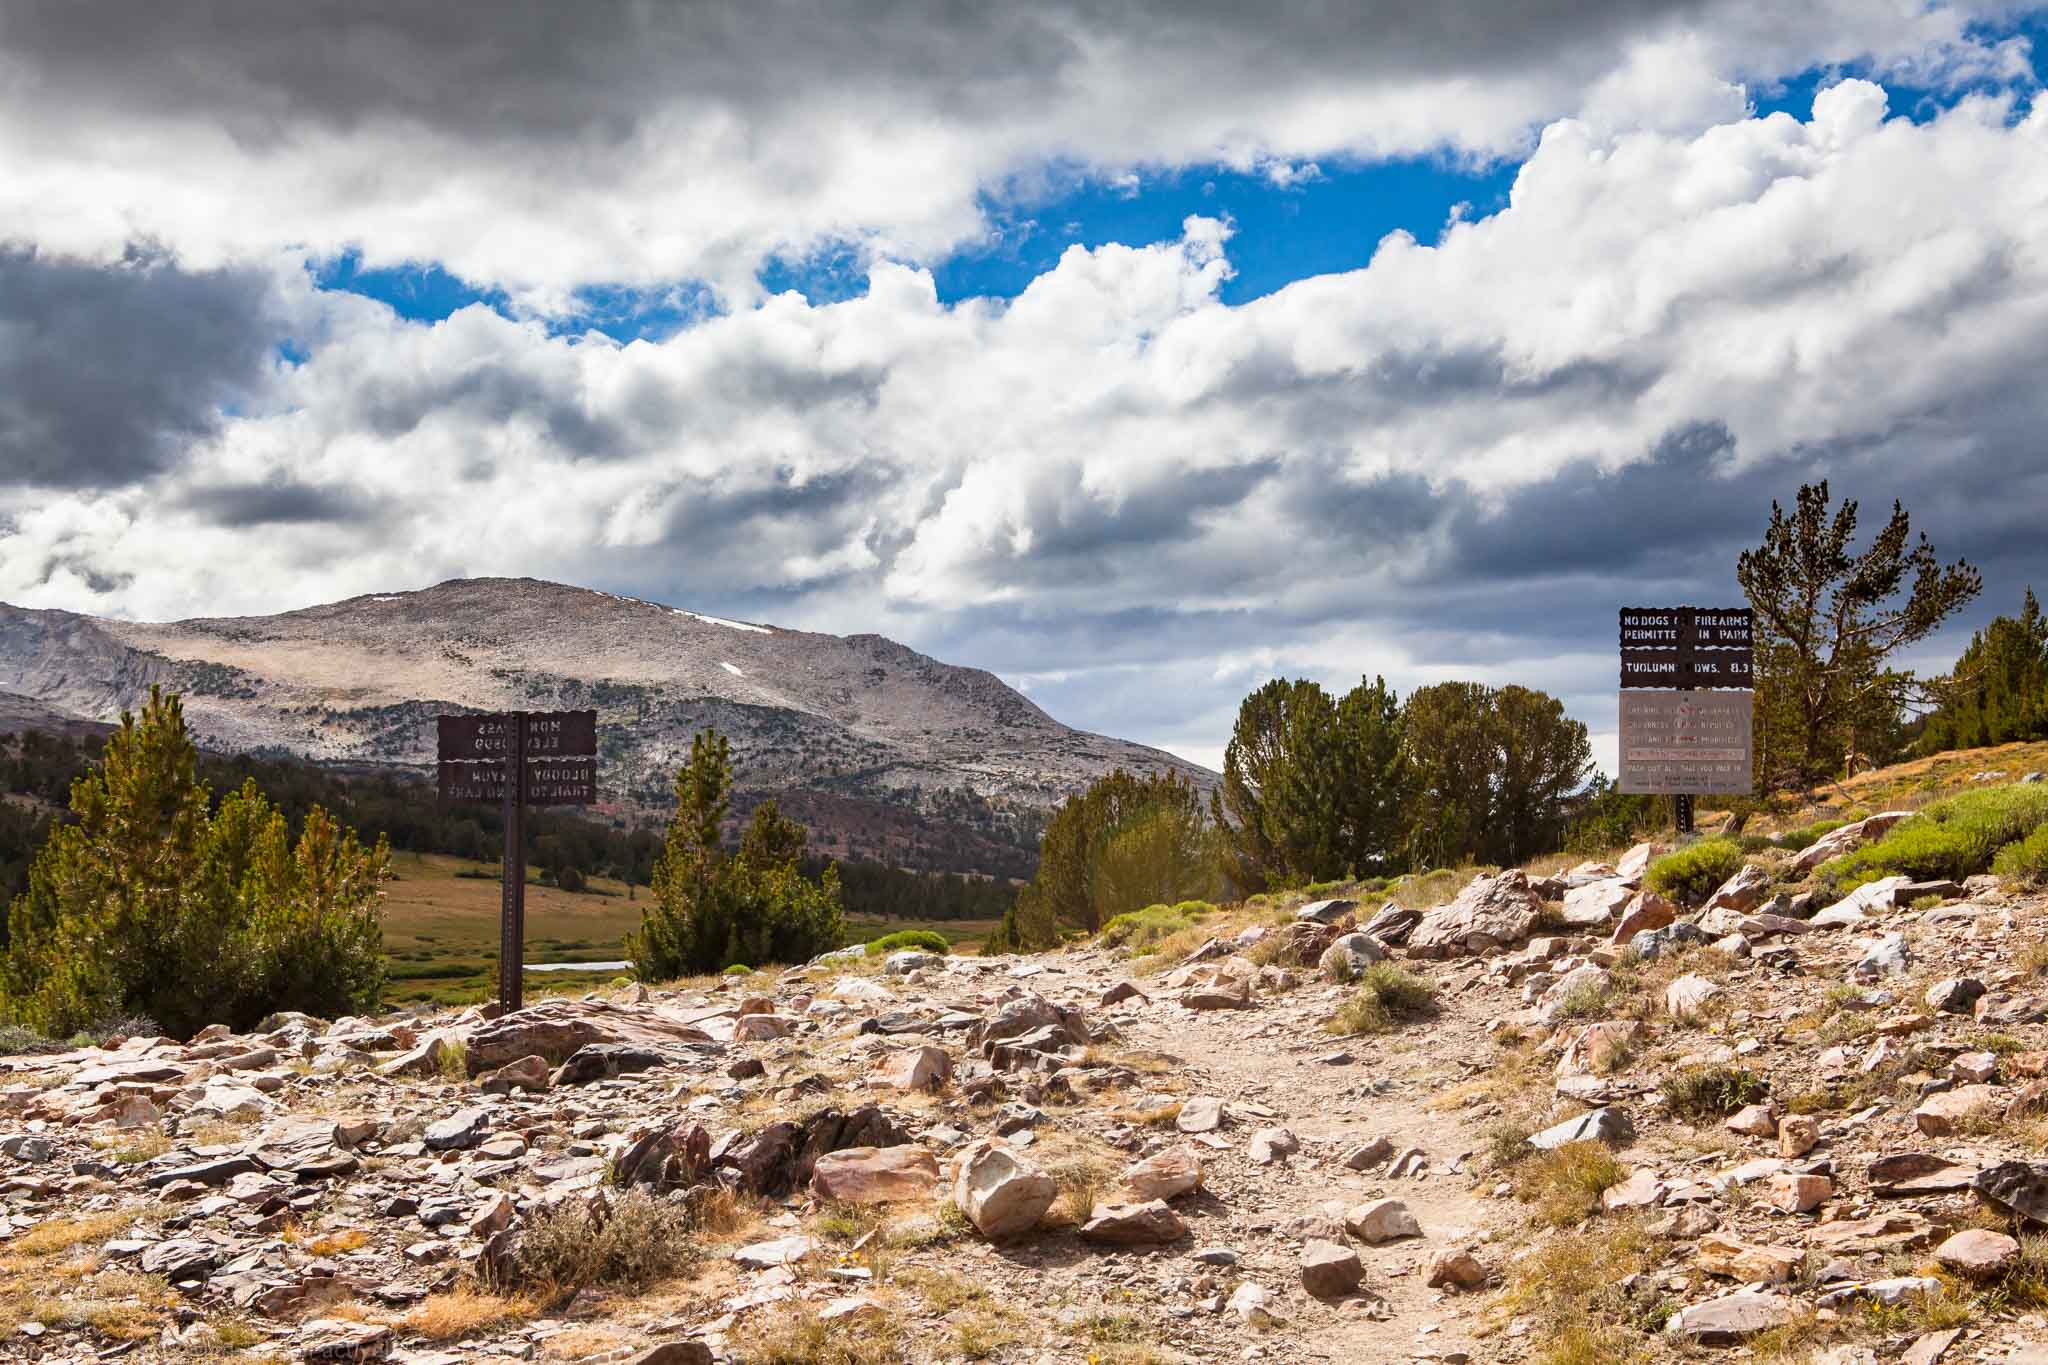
[
  {"x": 564, "y": 733},
  {"x": 549, "y": 782},
  {"x": 1676, "y": 743}
]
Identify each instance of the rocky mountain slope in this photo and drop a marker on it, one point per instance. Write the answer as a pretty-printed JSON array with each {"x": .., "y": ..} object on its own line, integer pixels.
[
  {"x": 1581, "y": 1124},
  {"x": 853, "y": 722}
]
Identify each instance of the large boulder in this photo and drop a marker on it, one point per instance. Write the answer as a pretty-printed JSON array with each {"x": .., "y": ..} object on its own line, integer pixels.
[
  {"x": 1001, "y": 1196},
  {"x": 875, "y": 1175},
  {"x": 1492, "y": 912},
  {"x": 1597, "y": 902},
  {"x": 557, "y": 1029},
  {"x": 1743, "y": 892}
]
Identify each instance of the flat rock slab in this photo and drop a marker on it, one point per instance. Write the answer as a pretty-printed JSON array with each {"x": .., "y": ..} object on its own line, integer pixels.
[
  {"x": 1905, "y": 1174},
  {"x": 555, "y": 1029},
  {"x": 1723, "y": 1321},
  {"x": 1608, "y": 1125}
]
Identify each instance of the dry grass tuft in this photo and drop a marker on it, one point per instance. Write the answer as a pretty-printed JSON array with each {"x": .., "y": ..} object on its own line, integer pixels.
[
  {"x": 782, "y": 1335},
  {"x": 1386, "y": 995},
  {"x": 1565, "y": 1184},
  {"x": 464, "y": 1311}
]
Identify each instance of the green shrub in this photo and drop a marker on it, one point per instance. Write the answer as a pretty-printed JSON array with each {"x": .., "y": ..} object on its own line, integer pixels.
[
  {"x": 151, "y": 903},
  {"x": 2025, "y": 860},
  {"x": 1797, "y": 839},
  {"x": 712, "y": 909},
  {"x": 1142, "y": 928},
  {"x": 1950, "y": 839},
  {"x": 924, "y": 939},
  {"x": 1755, "y": 843},
  {"x": 1690, "y": 874},
  {"x": 738, "y": 969}
]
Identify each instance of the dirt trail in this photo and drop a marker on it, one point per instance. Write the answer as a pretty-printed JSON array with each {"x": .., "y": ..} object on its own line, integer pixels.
[{"x": 1274, "y": 1067}]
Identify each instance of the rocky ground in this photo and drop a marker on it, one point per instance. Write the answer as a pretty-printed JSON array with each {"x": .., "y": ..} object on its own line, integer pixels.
[{"x": 1577, "y": 1124}]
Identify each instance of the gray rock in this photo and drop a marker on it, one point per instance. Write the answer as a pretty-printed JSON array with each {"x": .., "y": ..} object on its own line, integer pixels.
[
  {"x": 1325, "y": 912},
  {"x": 2017, "y": 1188},
  {"x": 459, "y": 1131},
  {"x": 1349, "y": 956},
  {"x": 1653, "y": 943},
  {"x": 1492, "y": 912},
  {"x": 181, "y": 1259},
  {"x": 1608, "y": 1125},
  {"x": 1733, "y": 1317},
  {"x": 1884, "y": 956},
  {"x": 1330, "y": 1271},
  {"x": 1957, "y": 995}
]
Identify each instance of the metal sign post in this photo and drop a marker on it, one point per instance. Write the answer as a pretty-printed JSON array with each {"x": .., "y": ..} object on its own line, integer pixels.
[
  {"x": 1685, "y": 738},
  {"x": 518, "y": 759}
]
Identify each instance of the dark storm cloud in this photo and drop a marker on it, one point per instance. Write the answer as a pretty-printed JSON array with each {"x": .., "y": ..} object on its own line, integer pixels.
[
  {"x": 489, "y": 71},
  {"x": 107, "y": 373},
  {"x": 282, "y": 504},
  {"x": 490, "y": 393}
]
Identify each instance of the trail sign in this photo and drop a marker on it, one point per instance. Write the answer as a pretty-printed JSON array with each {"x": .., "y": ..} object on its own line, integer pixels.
[
  {"x": 1678, "y": 740},
  {"x": 518, "y": 759},
  {"x": 1685, "y": 743},
  {"x": 1670, "y": 668},
  {"x": 1686, "y": 627}
]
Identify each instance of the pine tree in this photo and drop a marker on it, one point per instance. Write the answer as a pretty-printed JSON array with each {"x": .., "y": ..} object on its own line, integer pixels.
[
  {"x": 148, "y": 905},
  {"x": 1828, "y": 618},
  {"x": 710, "y": 909}
]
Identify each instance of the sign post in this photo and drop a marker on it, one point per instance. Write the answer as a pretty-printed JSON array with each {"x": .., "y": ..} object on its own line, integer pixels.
[
  {"x": 519, "y": 759},
  {"x": 1674, "y": 740}
]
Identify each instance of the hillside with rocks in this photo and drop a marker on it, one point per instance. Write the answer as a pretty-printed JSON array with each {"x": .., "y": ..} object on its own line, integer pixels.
[
  {"x": 881, "y": 748},
  {"x": 1542, "y": 1115}
]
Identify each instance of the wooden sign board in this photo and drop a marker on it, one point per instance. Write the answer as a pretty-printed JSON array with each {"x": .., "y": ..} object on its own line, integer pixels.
[
  {"x": 548, "y": 733},
  {"x": 1668, "y": 668},
  {"x": 1685, "y": 743},
  {"x": 549, "y": 782},
  {"x": 1686, "y": 627}
]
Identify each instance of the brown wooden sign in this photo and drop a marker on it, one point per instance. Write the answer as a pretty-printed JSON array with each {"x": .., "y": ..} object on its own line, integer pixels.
[
  {"x": 1686, "y": 627},
  {"x": 549, "y": 782},
  {"x": 1668, "y": 668},
  {"x": 553, "y": 757},
  {"x": 565, "y": 733}
]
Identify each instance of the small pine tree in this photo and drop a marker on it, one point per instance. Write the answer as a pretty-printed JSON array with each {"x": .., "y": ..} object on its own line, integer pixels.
[
  {"x": 711, "y": 909},
  {"x": 148, "y": 905}
]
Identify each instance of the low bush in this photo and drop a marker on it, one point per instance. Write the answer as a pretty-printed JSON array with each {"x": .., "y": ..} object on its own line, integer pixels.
[
  {"x": 1386, "y": 995},
  {"x": 1708, "y": 1092},
  {"x": 1690, "y": 874},
  {"x": 925, "y": 940},
  {"x": 628, "y": 1243},
  {"x": 1797, "y": 839},
  {"x": 1955, "y": 838},
  {"x": 1139, "y": 929},
  {"x": 2025, "y": 860}
]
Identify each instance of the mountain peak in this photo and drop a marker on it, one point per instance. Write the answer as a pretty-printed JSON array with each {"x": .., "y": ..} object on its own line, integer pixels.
[{"x": 857, "y": 723}]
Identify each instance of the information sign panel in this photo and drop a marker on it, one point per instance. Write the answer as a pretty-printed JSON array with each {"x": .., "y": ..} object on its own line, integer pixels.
[{"x": 1685, "y": 743}]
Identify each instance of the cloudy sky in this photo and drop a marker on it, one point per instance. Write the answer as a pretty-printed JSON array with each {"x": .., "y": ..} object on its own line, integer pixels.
[{"x": 1138, "y": 352}]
